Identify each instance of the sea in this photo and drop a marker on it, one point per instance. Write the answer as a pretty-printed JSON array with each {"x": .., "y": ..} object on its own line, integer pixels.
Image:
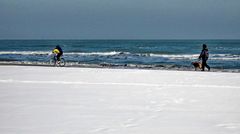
[{"x": 224, "y": 55}]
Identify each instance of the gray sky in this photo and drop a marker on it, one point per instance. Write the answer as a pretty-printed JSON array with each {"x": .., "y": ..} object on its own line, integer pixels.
[{"x": 119, "y": 19}]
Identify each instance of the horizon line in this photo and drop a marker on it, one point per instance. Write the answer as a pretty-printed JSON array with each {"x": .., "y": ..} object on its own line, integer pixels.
[{"x": 118, "y": 39}]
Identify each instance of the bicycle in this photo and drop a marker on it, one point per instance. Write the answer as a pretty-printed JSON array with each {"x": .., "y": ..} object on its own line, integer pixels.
[{"x": 54, "y": 61}]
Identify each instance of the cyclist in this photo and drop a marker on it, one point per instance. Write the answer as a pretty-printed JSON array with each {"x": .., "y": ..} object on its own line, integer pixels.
[{"x": 58, "y": 51}]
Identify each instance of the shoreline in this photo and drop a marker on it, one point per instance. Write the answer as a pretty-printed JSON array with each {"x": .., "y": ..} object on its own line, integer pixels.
[{"x": 107, "y": 66}]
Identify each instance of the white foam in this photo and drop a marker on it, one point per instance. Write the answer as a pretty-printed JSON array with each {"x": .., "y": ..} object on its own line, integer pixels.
[
  {"x": 195, "y": 56},
  {"x": 112, "y": 53},
  {"x": 93, "y": 53},
  {"x": 25, "y": 52}
]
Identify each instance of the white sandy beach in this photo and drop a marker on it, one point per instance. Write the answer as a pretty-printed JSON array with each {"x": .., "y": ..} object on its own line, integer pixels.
[{"x": 52, "y": 100}]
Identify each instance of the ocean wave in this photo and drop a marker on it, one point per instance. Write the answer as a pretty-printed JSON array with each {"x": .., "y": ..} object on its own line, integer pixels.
[
  {"x": 128, "y": 54},
  {"x": 195, "y": 56},
  {"x": 225, "y": 57},
  {"x": 65, "y": 53},
  {"x": 178, "y": 56},
  {"x": 112, "y": 53},
  {"x": 25, "y": 52}
]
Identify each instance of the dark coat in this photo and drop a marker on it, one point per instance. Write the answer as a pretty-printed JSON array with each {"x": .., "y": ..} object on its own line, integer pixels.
[{"x": 204, "y": 54}]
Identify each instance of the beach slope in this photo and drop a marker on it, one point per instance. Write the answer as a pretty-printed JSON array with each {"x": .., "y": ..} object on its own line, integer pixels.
[{"x": 52, "y": 100}]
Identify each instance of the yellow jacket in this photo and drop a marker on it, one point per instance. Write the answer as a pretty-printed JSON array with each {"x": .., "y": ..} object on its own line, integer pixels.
[{"x": 56, "y": 51}]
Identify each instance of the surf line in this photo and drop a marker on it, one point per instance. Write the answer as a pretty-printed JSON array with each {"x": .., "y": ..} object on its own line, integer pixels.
[{"x": 116, "y": 83}]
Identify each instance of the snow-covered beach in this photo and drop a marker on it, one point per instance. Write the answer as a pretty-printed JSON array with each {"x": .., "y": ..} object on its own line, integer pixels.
[{"x": 51, "y": 100}]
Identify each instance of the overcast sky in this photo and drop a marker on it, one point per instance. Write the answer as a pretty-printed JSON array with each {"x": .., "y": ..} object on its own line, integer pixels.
[{"x": 119, "y": 19}]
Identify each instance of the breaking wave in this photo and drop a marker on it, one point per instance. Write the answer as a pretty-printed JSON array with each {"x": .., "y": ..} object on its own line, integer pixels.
[
  {"x": 126, "y": 54},
  {"x": 24, "y": 52}
]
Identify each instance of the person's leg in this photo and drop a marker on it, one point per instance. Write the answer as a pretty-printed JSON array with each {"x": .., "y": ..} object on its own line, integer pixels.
[
  {"x": 55, "y": 57},
  {"x": 58, "y": 57},
  {"x": 208, "y": 67},
  {"x": 203, "y": 65}
]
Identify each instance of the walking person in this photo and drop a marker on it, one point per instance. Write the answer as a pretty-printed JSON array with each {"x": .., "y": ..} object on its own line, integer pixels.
[{"x": 204, "y": 56}]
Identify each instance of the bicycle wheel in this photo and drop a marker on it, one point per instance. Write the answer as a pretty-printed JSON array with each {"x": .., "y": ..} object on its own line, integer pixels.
[
  {"x": 62, "y": 62},
  {"x": 52, "y": 62}
]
